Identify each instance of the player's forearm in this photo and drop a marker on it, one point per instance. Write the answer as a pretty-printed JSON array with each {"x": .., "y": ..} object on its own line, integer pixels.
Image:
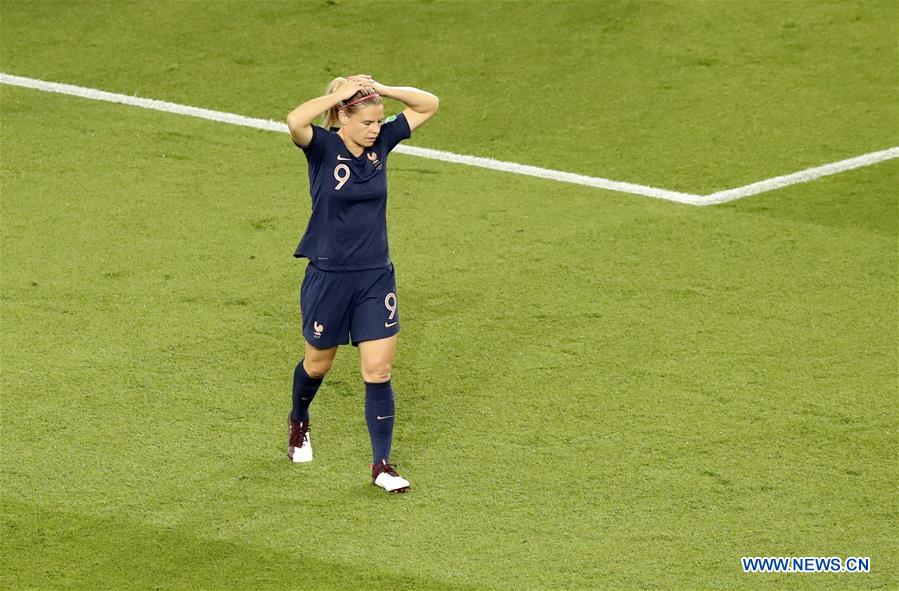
[
  {"x": 419, "y": 101},
  {"x": 306, "y": 113}
]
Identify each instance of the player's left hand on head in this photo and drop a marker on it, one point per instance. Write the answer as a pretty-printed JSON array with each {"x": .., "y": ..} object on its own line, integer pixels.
[{"x": 378, "y": 87}]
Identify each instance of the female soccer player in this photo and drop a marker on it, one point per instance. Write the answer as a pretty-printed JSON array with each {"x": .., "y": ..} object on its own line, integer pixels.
[{"x": 349, "y": 291}]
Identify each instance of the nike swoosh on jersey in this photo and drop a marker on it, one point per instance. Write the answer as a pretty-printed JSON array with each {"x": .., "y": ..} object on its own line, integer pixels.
[
  {"x": 389, "y": 325},
  {"x": 339, "y": 157}
]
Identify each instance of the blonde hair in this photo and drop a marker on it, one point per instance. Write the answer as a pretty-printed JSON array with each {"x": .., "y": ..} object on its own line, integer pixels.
[{"x": 331, "y": 118}]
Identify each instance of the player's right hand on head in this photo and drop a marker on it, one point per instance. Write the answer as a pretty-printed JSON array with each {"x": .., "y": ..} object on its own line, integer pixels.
[{"x": 352, "y": 85}]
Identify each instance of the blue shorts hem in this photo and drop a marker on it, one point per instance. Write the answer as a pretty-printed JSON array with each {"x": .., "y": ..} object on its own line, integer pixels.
[
  {"x": 325, "y": 344},
  {"x": 384, "y": 335}
]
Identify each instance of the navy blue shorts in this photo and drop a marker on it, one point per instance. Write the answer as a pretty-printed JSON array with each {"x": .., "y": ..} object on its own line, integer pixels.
[{"x": 341, "y": 305}]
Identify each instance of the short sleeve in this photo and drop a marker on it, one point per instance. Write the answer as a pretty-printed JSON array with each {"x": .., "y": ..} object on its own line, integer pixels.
[
  {"x": 316, "y": 148},
  {"x": 394, "y": 130}
]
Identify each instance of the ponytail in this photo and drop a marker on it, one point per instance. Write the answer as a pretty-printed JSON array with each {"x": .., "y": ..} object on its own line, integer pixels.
[{"x": 331, "y": 114}]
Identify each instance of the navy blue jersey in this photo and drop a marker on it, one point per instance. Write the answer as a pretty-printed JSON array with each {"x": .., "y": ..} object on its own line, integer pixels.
[{"x": 348, "y": 227}]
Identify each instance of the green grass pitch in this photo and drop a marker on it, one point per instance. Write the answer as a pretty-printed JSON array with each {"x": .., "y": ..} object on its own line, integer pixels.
[{"x": 595, "y": 390}]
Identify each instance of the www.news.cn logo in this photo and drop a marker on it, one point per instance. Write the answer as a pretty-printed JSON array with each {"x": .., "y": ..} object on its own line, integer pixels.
[{"x": 806, "y": 564}]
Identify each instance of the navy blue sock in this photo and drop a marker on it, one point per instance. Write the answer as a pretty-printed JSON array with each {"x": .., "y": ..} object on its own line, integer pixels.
[
  {"x": 304, "y": 389},
  {"x": 380, "y": 409}
]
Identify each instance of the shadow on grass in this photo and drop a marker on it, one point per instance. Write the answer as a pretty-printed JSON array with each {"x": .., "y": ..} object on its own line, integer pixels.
[{"x": 51, "y": 549}]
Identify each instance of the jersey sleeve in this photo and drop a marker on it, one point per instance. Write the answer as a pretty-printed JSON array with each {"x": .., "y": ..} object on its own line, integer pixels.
[
  {"x": 394, "y": 130},
  {"x": 316, "y": 148}
]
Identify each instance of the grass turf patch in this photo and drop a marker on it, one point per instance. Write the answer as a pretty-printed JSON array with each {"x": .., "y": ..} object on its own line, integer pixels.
[
  {"x": 595, "y": 390},
  {"x": 695, "y": 97},
  {"x": 635, "y": 392}
]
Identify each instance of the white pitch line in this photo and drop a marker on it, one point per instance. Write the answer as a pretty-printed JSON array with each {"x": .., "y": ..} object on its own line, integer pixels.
[
  {"x": 556, "y": 175},
  {"x": 268, "y": 125},
  {"x": 134, "y": 101},
  {"x": 477, "y": 161},
  {"x": 803, "y": 176}
]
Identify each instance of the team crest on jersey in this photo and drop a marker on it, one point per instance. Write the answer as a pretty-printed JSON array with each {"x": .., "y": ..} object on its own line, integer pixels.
[
  {"x": 319, "y": 328},
  {"x": 373, "y": 158}
]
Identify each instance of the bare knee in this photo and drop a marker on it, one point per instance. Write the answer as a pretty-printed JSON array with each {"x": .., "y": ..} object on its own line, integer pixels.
[
  {"x": 317, "y": 368},
  {"x": 376, "y": 373}
]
